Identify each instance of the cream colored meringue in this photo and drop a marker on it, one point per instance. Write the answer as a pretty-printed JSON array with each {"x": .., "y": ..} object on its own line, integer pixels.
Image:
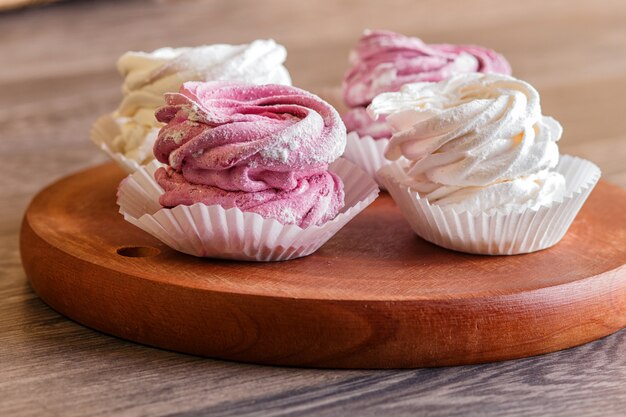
[
  {"x": 149, "y": 75},
  {"x": 475, "y": 140}
]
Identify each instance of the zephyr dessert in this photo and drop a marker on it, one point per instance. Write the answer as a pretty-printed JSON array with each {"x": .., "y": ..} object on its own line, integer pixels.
[
  {"x": 128, "y": 134},
  {"x": 384, "y": 61},
  {"x": 478, "y": 167},
  {"x": 252, "y": 172}
]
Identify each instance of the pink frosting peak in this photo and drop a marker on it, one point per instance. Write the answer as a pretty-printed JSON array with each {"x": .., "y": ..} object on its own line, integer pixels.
[
  {"x": 261, "y": 148},
  {"x": 384, "y": 61}
]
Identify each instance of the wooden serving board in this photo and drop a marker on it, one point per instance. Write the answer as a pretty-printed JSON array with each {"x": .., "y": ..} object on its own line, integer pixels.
[{"x": 375, "y": 296}]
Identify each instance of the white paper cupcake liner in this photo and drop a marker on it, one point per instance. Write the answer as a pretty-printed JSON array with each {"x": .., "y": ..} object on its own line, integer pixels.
[
  {"x": 212, "y": 231},
  {"x": 367, "y": 152},
  {"x": 499, "y": 232},
  {"x": 103, "y": 131}
]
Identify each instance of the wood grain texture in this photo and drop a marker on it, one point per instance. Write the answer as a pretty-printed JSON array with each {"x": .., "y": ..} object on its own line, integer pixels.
[
  {"x": 59, "y": 76},
  {"x": 374, "y": 296}
]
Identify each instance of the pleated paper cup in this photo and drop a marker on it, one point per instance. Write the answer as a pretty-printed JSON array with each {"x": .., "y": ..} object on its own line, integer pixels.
[
  {"x": 103, "y": 131},
  {"x": 496, "y": 232},
  {"x": 212, "y": 231},
  {"x": 367, "y": 152}
]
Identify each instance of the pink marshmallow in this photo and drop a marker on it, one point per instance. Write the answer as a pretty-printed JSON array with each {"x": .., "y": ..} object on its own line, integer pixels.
[
  {"x": 264, "y": 149},
  {"x": 384, "y": 61}
]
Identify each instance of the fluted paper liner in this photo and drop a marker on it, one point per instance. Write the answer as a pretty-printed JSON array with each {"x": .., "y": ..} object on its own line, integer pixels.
[
  {"x": 212, "y": 231},
  {"x": 367, "y": 152},
  {"x": 103, "y": 131},
  {"x": 497, "y": 232}
]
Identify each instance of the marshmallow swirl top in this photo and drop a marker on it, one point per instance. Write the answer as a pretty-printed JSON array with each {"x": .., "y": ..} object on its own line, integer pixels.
[
  {"x": 383, "y": 61},
  {"x": 217, "y": 126},
  {"x": 471, "y": 133},
  {"x": 149, "y": 75}
]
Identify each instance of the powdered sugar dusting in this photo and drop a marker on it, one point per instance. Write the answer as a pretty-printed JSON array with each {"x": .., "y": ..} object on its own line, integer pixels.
[{"x": 286, "y": 215}]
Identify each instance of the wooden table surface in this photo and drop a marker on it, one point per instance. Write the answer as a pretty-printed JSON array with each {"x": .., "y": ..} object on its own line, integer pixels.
[{"x": 58, "y": 75}]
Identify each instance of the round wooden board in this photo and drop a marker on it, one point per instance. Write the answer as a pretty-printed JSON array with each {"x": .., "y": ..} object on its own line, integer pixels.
[{"x": 375, "y": 296}]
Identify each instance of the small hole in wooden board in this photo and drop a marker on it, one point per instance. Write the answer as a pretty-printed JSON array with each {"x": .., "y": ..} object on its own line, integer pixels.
[{"x": 137, "y": 251}]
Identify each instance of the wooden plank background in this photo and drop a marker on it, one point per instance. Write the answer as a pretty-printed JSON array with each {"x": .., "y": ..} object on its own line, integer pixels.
[{"x": 57, "y": 75}]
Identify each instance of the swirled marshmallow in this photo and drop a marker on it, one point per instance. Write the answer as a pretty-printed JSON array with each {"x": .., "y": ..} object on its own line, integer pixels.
[
  {"x": 384, "y": 61},
  {"x": 476, "y": 140},
  {"x": 264, "y": 149}
]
